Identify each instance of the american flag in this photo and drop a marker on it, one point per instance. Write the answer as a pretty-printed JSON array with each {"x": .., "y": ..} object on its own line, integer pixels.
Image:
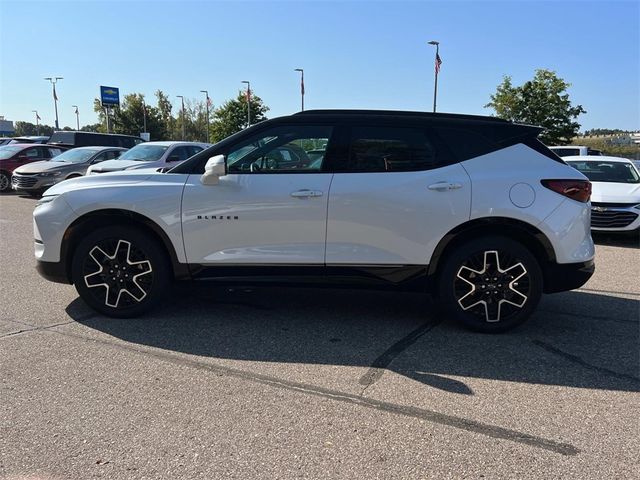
[
  {"x": 438, "y": 63},
  {"x": 248, "y": 95},
  {"x": 55, "y": 97},
  {"x": 76, "y": 110},
  {"x": 38, "y": 117},
  {"x": 302, "y": 85},
  {"x": 208, "y": 101}
]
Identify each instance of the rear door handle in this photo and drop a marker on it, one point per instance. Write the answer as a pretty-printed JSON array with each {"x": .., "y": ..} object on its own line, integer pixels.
[
  {"x": 442, "y": 186},
  {"x": 305, "y": 193}
]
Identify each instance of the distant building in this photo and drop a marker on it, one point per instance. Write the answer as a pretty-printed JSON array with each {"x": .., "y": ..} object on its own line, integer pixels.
[
  {"x": 624, "y": 139},
  {"x": 6, "y": 127}
]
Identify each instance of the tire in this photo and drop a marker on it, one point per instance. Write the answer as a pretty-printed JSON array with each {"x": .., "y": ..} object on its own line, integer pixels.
[
  {"x": 499, "y": 301},
  {"x": 120, "y": 271},
  {"x": 5, "y": 182}
]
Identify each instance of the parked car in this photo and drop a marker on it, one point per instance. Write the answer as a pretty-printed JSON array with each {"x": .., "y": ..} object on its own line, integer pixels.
[
  {"x": 30, "y": 139},
  {"x": 473, "y": 209},
  {"x": 150, "y": 155},
  {"x": 615, "y": 201},
  {"x": 5, "y": 141},
  {"x": 574, "y": 150},
  {"x": 91, "y": 139},
  {"x": 17, "y": 154},
  {"x": 35, "y": 178}
]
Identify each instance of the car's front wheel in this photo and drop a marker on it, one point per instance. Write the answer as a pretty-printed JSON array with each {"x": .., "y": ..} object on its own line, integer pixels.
[
  {"x": 120, "y": 271},
  {"x": 490, "y": 284}
]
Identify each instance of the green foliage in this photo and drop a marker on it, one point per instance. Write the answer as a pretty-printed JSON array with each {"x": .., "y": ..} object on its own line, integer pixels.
[
  {"x": 542, "y": 101},
  {"x": 231, "y": 117},
  {"x": 605, "y": 145},
  {"x": 128, "y": 119}
]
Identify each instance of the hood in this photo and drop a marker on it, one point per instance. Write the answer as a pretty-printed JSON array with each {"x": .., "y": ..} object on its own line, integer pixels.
[
  {"x": 38, "y": 167},
  {"x": 609, "y": 192},
  {"x": 115, "y": 165},
  {"x": 97, "y": 181}
]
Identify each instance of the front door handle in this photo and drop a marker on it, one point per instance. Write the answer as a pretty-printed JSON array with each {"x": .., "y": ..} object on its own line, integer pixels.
[
  {"x": 306, "y": 193},
  {"x": 442, "y": 186}
]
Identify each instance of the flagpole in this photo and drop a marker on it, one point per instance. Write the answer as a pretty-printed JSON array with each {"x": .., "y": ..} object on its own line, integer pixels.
[
  {"x": 37, "y": 122},
  {"x": 301, "y": 70},
  {"x": 248, "y": 102},
  {"x": 437, "y": 68},
  {"x": 53, "y": 81},
  {"x": 206, "y": 94},
  {"x": 77, "y": 117}
]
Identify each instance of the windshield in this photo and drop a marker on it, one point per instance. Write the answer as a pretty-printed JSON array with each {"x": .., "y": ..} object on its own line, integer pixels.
[
  {"x": 78, "y": 155},
  {"x": 8, "y": 152},
  {"x": 614, "y": 172},
  {"x": 144, "y": 153}
]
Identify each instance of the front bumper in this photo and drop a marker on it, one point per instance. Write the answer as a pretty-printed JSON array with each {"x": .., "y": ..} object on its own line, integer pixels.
[
  {"x": 33, "y": 183},
  {"x": 614, "y": 218},
  {"x": 560, "y": 277},
  {"x": 53, "y": 271}
]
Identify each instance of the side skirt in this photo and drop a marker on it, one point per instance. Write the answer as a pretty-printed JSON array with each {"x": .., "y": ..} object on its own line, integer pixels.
[{"x": 405, "y": 277}]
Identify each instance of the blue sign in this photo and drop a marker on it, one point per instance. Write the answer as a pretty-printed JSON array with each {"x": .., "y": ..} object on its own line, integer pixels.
[{"x": 109, "y": 96}]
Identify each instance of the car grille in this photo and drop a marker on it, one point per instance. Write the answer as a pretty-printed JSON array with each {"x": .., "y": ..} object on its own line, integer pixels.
[
  {"x": 612, "y": 218},
  {"x": 23, "y": 181}
]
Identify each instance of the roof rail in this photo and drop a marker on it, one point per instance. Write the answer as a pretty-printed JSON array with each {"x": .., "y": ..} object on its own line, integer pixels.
[{"x": 403, "y": 113}]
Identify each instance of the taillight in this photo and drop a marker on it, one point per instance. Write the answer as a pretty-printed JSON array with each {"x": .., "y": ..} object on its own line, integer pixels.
[{"x": 579, "y": 190}]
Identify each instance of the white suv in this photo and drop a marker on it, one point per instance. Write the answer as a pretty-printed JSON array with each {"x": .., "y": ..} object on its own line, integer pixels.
[{"x": 473, "y": 209}]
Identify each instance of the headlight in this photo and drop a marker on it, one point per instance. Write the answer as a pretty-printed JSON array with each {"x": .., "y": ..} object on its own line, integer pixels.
[
  {"x": 50, "y": 174},
  {"x": 47, "y": 199}
]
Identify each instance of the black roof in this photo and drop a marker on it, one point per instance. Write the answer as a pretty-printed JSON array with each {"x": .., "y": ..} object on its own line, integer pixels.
[{"x": 404, "y": 113}]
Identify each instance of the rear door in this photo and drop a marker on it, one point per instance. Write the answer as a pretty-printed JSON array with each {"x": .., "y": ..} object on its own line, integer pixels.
[{"x": 396, "y": 195}]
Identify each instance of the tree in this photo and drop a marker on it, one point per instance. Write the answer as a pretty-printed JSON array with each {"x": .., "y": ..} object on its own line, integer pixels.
[
  {"x": 231, "y": 117},
  {"x": 128, "y": 118},
  {"x": 23, "y": 129},
  {"x": 542, "y": 101}
]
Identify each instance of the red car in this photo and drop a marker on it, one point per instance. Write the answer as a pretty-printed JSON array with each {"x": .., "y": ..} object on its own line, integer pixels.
[{"x": 16, "y": 154}]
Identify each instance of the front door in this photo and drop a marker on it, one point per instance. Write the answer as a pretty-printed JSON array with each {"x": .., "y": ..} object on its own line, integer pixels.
[{"x": 270, "y": 208}]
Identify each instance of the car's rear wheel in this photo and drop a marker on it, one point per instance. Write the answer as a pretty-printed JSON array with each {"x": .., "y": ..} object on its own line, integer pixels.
[
  {"x": 120, "y": 271},
  {"x": 490, "y": 284},
  {"x": 5, "y": 182}
]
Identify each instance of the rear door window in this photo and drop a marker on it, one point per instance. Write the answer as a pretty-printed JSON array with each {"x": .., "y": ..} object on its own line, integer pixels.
[{"x": 390, "y": 149}]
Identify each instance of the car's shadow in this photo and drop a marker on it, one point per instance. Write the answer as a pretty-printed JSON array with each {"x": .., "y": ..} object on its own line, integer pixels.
[
  {"x": 575, "y": 339},
  {"x": 629, "y": 240}
]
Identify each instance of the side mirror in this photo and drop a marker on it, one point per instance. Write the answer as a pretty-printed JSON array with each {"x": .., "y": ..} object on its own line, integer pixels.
[{"x": 213, "y": 170}]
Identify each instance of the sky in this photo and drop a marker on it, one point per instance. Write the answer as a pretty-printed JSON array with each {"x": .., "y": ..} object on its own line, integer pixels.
[{"x": 357, "y": 54}]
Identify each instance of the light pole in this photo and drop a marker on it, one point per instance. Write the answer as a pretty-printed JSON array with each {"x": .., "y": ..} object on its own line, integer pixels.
[
  {"x": 184, "y": 136},
  {"x": 248, "y": 102},
  {"x": 301, "y": 70},
  {"x": 206, "y": 94},
  {"x": 144, "y": 116},
  {"x": 37, "y": 121},
  {"x": 77, "y": 117},
  {"x": 437, "y": 70},
  {"x": 53, "y": 81}
]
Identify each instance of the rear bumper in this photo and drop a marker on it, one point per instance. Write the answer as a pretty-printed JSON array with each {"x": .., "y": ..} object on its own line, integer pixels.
[
  {"x": 53, "y": 271},
  {"x": 560, "y": 277}
]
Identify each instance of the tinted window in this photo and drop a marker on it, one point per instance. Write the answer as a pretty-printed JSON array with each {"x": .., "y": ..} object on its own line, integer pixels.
[
  {"x": 33, "y": 153},
  {"x": 389, "y": 149},
  {"x": 280, "y": 149},
  {"x": 465, "y": 143},
  {"x": 194, "y": 149},
  {"x": 566, "y": 152},
  {"x": 179, "y": 154}
]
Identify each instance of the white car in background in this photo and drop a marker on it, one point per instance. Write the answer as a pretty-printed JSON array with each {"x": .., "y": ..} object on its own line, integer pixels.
[
  {"x": 150, "y": 155},
  {"x": 615, "y": 197},
  {"x": 574, "y": 151}
]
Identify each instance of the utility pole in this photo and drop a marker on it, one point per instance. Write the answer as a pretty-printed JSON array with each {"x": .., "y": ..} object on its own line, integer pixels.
[
  {"x": 144, "y": 116},
  {"x": 184, "y": 136},
  {"x": 248, "y": 102},
  {"x": 301, "y": 70},
  {"x": 206, "y": 94},
  {"x": 53, "y": 81},
  {"x": 437, "y": 70},
  {"x": 77, "y": 117}
]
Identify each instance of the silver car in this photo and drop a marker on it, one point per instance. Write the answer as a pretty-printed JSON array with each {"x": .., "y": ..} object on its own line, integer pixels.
[{"x": 34, "y": 178}]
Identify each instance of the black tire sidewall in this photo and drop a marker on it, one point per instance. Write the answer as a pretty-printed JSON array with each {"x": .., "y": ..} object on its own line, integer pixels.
[
  {"x": 8, "y": 187},
  {"x": 464, "y": 251},
  {"x": 154, "y": 252}
]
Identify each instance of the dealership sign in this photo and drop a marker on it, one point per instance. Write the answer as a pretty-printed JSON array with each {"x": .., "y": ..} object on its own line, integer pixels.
[{"x": 109, "y": 96}]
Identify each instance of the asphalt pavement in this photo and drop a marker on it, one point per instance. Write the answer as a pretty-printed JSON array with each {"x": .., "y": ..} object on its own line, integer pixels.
[{"x": 314, "y": 383}]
